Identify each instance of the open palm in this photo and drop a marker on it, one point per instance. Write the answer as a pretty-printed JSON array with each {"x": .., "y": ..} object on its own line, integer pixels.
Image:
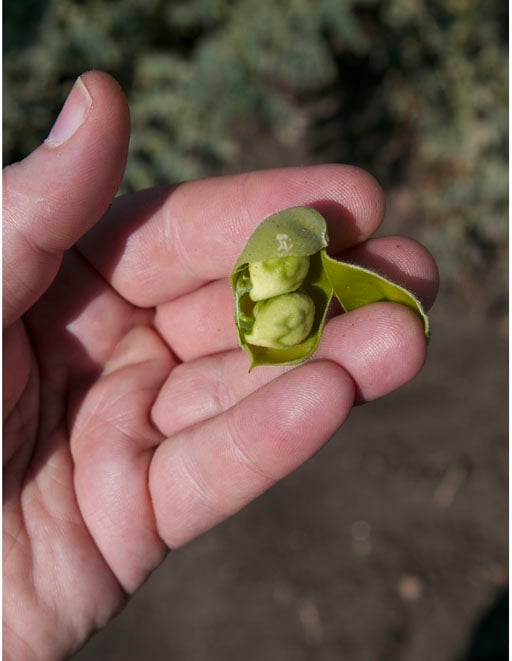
[{"x": 131, "y": 423}]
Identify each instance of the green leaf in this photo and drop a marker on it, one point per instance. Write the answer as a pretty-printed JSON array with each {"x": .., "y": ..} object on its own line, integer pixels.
[{"x": 355, "y": 286}]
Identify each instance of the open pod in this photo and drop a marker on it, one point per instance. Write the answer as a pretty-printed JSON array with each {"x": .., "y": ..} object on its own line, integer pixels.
[{"x": 285, "y": 259}]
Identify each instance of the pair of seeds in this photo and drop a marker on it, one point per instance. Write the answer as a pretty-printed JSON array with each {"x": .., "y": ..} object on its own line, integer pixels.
[{"x": 283, "y": 314}]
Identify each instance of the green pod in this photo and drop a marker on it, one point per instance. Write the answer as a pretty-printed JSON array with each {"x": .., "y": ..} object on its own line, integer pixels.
[{"x": 284, "y": 264}]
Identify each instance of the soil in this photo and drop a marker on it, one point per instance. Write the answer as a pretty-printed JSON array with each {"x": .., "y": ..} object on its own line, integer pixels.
[{"x": 391, "y": 544}]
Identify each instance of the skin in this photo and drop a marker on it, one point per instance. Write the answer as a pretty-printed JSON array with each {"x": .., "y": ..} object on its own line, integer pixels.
[{"x": 121, "y": 360}]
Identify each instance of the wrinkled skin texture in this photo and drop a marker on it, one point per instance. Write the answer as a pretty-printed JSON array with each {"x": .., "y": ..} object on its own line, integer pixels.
[{"x": 131, "y": 423}]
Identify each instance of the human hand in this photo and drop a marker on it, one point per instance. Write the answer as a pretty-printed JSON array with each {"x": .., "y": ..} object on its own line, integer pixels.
[{"x": 131, "y": 423}]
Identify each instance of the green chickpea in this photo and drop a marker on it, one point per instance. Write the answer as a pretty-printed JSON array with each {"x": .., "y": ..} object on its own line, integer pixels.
[
  {"x": 280, "y": 275},
  {"x": 282, "y": 321}
]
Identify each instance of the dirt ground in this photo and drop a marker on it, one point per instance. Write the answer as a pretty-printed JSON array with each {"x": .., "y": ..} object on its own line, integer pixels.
[{"x": 391, "y": 544}]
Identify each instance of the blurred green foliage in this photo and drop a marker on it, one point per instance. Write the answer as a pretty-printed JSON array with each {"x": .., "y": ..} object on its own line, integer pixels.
[{"x": 414, "y": 90}]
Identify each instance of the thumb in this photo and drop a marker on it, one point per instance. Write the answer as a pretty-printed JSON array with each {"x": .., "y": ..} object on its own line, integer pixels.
[{"x": 57, "y": 193}]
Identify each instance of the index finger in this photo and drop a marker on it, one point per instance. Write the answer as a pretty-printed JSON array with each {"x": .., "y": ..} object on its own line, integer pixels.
[{"x": 161, "y": 243}]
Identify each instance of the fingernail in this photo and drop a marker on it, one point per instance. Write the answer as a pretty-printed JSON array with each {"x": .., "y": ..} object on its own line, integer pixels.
[{"x": 72, "y": 115}]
